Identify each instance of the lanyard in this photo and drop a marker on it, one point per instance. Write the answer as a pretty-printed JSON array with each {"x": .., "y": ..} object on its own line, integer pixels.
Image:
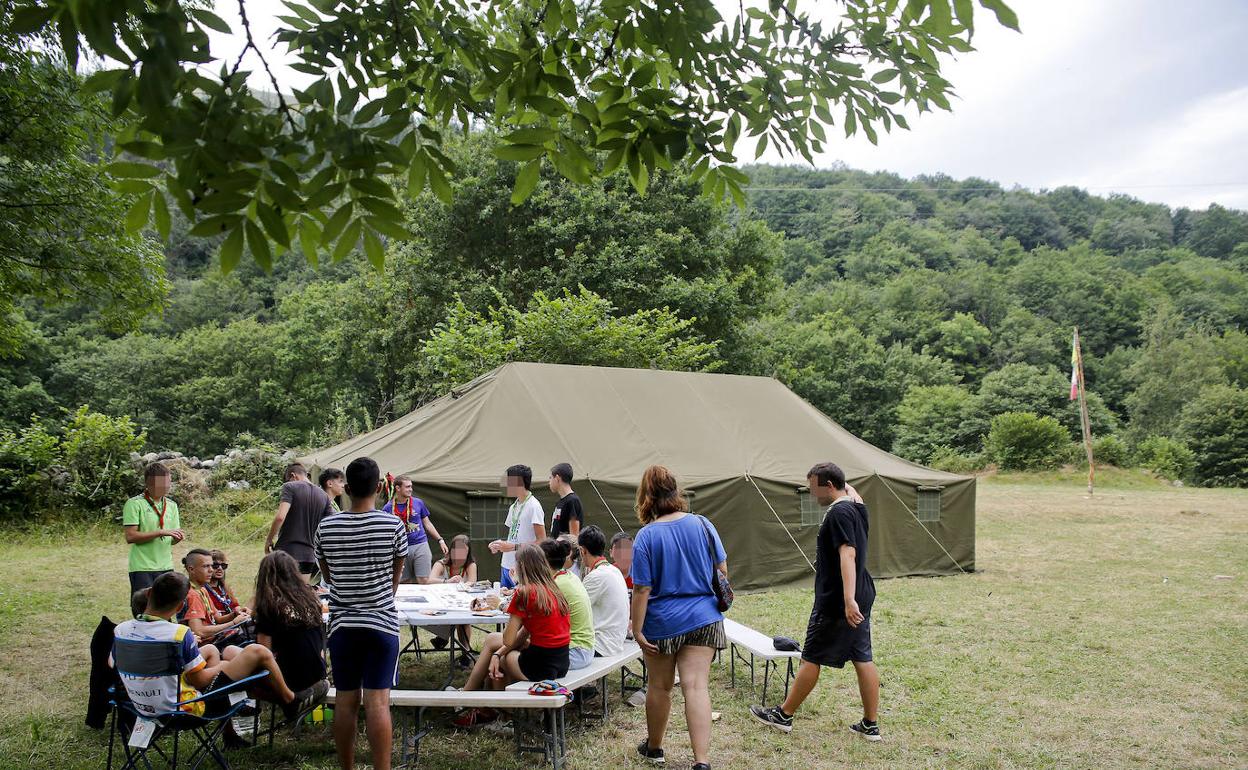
[
  {"x": 515, "y": 518},
  {"x": 406, "y": 514},
  {"x": 160, "y": 514}
]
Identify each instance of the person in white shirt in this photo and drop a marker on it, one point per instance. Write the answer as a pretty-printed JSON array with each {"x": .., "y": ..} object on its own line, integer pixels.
[
  {"x": 526, "y": 521},
  {"x": 608, "y": 596}
]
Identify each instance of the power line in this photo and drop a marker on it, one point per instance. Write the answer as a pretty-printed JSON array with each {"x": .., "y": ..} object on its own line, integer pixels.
[{"x": 919, "y": 188}]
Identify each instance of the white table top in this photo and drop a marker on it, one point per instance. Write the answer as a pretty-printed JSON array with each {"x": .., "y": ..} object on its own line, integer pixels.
[{"x": 440, "y": 596}]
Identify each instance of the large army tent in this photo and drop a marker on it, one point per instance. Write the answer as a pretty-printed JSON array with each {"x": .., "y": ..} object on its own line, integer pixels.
[{"x": 740, "y": 446}]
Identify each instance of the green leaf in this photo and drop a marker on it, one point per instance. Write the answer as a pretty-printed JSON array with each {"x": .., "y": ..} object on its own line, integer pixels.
[
  {"x": 613, "y": 161},
  {"x": 381, "y": 208},
  {"x": 373, "y": 249},
  {"x": 883, "y": 76},
  {"x": 308, "y": 239},
  {"x": 104, "y": 80},
  {"x": 212, "y": 226},
  {"x": 519, "y": 152},
  {"x": 160, "y": 211},
  {"x": 348, "y": 240},
  {"x": 440, "y": 186},
  {"x": 232, "y": 250},
  {"x": 388, "y": 228},
  {"x": 258, "y": 244},
  {"x": 336, "y": 224},
  {"x": 128, "y": 170},
  {"x": 136, "y": 217},
  {"x": 370, "y": 186},
  {"x": 965, "y": 11},
  {"x": 546, "y": 105},
  {"x": 210, "y": 20},
  {"x": 273, "y": 223},
  {"x": 526, "y": 182},
  {"x": 532, "y": 136},
  {"x": 416, "y": 173},
  {"x": 30, "y": 19},
  {"x": 1004, "y": 15}
]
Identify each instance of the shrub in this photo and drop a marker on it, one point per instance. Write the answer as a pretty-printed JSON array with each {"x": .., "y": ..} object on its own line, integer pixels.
[
  {"x": 948, "y": 459},
  {"x": 1165, "y": 456},
  {"x": 28, "y": 460},
  {"x": 1111, "y": 450},
  {"x": 1216, "y": 427},
  {"x": 96, "y": 454},
  {"x": 1021, "y": 441}
]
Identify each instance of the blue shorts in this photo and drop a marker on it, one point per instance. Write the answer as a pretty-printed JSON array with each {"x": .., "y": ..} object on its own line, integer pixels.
[
  {"x": 505, "y": 581},
  {"x": 363, "y": 657}
]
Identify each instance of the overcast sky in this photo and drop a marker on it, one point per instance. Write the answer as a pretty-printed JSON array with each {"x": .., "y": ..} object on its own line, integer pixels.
[{"x": 1144, "y": 97}]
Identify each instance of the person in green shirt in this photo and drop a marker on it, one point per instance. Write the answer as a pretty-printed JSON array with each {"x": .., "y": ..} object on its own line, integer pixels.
[
  {"x": 581, "y": 613},
  {"x": 152, "y": 526}
]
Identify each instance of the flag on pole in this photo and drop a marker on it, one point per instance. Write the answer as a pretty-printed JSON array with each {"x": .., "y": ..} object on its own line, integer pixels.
[{"x": 1074, "y": 366}]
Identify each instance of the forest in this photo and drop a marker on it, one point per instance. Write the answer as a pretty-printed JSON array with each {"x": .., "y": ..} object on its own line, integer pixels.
[{"x": 931, "y": 316}]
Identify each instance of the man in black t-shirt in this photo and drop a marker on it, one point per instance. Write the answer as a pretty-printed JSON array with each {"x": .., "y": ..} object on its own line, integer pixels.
[
  {"x": 569, "y": 515},
  {"x": 300, "y": 508},
  {"x": 840, "y": 622}
]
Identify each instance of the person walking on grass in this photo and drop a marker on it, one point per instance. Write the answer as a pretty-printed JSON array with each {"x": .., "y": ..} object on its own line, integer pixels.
[
  {"x": 152, "y": 526},
  {"x": 361, "y": 552},
  {"x": 675, "y": 613},
  {"x": 840, "y": 621},
  {"x": 300, "y": 508}
]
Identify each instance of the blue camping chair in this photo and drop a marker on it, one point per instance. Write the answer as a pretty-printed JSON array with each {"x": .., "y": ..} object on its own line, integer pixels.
[{"x": 150, "y": 659}]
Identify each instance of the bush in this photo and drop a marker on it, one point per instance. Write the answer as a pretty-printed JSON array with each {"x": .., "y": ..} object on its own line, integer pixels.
[
  {"x": 1021, "y": 441},
  {"x": 28, "y": 461},
  {"x": 1165, "y": 456},
  {"x": 1216, "y": 426},
  {"x": 1111, "y": 450},
  {"x": 96, "y": 454},
  {"x": 948, "y": 459}
]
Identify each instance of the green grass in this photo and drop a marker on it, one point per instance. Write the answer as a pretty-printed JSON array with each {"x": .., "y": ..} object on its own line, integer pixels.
[{"x": 1109, "y": 631}]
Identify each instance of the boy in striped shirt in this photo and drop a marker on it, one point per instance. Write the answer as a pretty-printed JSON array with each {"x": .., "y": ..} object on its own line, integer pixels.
[{"x": 361, "y": 554}]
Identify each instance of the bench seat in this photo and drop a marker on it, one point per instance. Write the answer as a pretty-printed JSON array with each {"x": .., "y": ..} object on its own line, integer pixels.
[
  {"x": 597, "y": 669},
  {"x": 504, "y": 699}
]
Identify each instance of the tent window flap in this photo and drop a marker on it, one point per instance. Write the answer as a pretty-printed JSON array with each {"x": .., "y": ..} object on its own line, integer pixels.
[
  {"x": 928, "y": 509},
  {"x": 812, "y": 512},
  {"x": 487, "y": 515}
]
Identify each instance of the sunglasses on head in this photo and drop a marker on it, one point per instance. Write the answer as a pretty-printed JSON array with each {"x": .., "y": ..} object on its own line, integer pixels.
[{"x": 220, "y": 565}]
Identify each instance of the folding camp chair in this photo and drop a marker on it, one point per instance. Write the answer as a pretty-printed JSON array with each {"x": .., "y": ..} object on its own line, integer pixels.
[{"x": 141, "y": 733}]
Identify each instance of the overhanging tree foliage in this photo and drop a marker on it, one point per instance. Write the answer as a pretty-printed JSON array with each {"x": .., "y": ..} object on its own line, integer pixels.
[{"x": 586, "y": 87}]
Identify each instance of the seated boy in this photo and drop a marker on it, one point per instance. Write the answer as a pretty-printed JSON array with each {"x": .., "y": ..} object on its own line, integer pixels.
[{"x": 203, "y": 669}]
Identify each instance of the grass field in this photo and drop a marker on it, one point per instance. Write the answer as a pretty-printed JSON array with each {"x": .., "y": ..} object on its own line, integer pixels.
[{"x": 1102, "y": 632}]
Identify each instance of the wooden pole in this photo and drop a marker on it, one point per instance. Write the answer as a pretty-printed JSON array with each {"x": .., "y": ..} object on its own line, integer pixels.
[{"x": 1083, "y": 412}]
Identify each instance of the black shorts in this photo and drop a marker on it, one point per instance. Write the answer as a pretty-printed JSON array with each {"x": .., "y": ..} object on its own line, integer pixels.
[
  {"x": 538, "y": 663},
  {"x": 217, "y": 706},
  {"x": 831, "y": 641}
]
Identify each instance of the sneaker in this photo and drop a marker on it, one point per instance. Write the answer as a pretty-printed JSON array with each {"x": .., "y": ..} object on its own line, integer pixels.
[
  {"x": 305, "y": 699},
  {"x": 700, "y": 766},
  {"x": 773, "y": 717},
  {"x": 464, "y": 662},
  {"x": 588, "y": 692},
  {"x": 438, "y": 643},
  {"x": 868, "y": 730},
  {"x": 653, "y": 756},
  {"x": 474, "y": 718}
]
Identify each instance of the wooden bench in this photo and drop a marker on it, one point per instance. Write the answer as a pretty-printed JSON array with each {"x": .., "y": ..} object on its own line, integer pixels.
[
  {"x": 597, "y": 671},
  {"x": 758, "y": 645},
  {"x": 549, "y": 728}
]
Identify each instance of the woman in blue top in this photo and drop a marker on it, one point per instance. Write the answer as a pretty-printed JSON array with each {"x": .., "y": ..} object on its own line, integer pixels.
[{"x": 676, "y": 617}]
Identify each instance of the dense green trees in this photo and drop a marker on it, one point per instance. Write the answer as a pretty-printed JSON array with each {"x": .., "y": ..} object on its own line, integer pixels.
[{"x": 913, "y": 312}]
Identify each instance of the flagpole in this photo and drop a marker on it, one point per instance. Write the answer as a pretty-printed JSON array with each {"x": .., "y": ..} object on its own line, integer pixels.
[{"x": 1083, "y": 411}]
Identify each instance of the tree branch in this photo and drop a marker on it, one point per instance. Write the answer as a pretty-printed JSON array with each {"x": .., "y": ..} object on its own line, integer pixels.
[{"x": 251, "y": 43}]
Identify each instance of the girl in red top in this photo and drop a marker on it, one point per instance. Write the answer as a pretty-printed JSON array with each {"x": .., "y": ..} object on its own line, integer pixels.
[{"x": 534, "y": 646}]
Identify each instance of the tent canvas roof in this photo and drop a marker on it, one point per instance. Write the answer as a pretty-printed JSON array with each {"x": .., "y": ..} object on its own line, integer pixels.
[{"x": 611, "y": 423}]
